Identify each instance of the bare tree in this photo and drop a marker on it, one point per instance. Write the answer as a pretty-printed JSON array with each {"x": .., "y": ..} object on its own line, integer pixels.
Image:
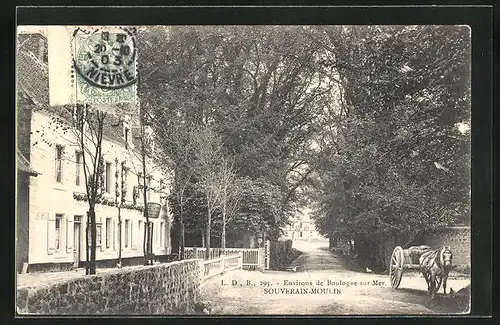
[
  {"x": 91, "y": 148},
  {"x": 230, "y": 194},
  {"x": 181, "y": 157},
  {"x": 147, "y": 164},
  {"x": 120, "y": 194},
  {"x": 88, "y": 131},
  {"x": 208, "y": 152}
]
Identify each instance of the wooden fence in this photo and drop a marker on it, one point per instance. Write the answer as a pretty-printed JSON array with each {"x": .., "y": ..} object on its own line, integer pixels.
[
  {"x": 222, "y": 264},
  {"x": 252, "y": 258}
]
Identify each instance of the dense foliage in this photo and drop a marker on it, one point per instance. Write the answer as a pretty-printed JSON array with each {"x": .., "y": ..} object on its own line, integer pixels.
[
  {"x": 402, "y": 166},
  {"x": 368, "y": 122},
  {"x": 258, "y": 87}
]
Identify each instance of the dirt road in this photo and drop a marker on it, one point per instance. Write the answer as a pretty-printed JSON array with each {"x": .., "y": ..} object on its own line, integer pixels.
[{"x": 323, "y": 285}]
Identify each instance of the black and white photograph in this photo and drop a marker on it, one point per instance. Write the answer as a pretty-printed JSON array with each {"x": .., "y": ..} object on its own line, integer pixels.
[{"x": 243, "y": 170}]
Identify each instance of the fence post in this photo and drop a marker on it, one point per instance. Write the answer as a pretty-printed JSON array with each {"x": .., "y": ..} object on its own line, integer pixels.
[
  {"x": 195, "y": 253},
  {"x": 268, "y": 251},
  {"x": 222, "y": 263},
  {"x": 240, "y": 260}
]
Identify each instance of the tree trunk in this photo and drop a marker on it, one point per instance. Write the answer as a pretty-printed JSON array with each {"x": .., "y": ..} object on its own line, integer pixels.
[
  {"x": 203, "y": 238},
  {"x": 183, "y": 236},
  {"x": 148, "y": 248},
  {"x": 151, "y": 231},
  {"x": 87, "y": 246},
  {"x": 207, "y": 233},
  {"x": 148, "y": 236},
  {"x": 144, "y": 246},
  {"x": 223, "y": 237},
  {"x": 183, "y": 240},
  {"x": 93, "y": 237},
  {"x": 175, "y": 236},
  {"x": 119, "y": 237}
]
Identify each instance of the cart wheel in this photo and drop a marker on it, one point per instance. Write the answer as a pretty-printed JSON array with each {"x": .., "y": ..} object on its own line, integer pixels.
[{"x": 396, "y": 266}]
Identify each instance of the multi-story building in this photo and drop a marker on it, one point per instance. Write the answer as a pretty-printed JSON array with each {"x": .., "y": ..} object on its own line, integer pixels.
[
  {"x": 56, "y": 216},
  {"x": 303, "y": 228}
]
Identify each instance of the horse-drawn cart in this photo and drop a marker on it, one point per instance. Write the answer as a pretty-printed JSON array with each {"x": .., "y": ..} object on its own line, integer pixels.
[
  {"x": 402, "y": 259},
  {"x": 434, "y": 265}
]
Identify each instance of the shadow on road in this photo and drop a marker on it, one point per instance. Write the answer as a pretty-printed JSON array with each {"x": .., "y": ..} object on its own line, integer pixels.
[{"x": 357, "y": 292}]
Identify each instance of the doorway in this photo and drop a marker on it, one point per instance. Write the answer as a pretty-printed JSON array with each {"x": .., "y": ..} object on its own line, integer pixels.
[{"x": 76, "y": 241}]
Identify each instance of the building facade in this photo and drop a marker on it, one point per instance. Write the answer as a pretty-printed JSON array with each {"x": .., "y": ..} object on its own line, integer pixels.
[
  {"x": 303, "y": 228},
  {"x": 57, "y": 206}
]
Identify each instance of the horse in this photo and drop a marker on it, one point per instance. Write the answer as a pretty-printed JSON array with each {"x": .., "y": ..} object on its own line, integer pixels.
[{"x": 435, "y": 266}]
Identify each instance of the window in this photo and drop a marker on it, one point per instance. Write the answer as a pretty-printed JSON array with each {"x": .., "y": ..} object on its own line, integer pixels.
[
  {"x": 59, "y": 157},
  {"x": 108, "y": 177},
  {"x": 78, "y": 160},
  {"x": 132, "y": 243},
  {"x": 108, "y": 232},
  {"x": 126, "y": 136},
  {"x": 301, "y": 234},
  {"x": 157, "y": 237},
  {"x": 126, "y": 233},
  {"x": 58, "y": 237},
  {"x": 114, "y": 236},
  {"x": 162, "y": 234},
  {"x": 140, "y": 233},
  {"x": 98, "y": 234}
]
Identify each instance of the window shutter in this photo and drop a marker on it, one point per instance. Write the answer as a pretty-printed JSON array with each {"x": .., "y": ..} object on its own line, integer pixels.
[
  {"x": 114, "y": 233},
  {"x": 122, "y": 235},
  {"x": 167, "y": 233},
  {"x": 51, "y": 233},
  {"x": 69, "y": 236},
  {"x": 140, "y": 231},
  {"x": 133, "y": 238},
  {"x": 103, "y": 237},
  {"x": 117, "y": 235},
  {"x": 157, "y": 236}
]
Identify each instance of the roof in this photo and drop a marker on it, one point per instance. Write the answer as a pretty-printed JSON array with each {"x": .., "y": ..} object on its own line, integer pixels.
[
  {"x": 33, "y": 77},
  {"x": 24, "y": 165},
  {"x": 112, "y": 128},
  {"x": 33, "y": 81}
]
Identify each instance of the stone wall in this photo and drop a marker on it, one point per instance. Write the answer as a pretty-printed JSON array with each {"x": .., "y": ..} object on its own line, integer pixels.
[
  {"x": 166, "y": 289},
  {"x": 459, "y": 240}
]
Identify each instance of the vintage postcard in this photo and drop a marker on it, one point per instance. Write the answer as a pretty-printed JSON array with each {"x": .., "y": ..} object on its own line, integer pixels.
[{"x": 243, "y": 170}]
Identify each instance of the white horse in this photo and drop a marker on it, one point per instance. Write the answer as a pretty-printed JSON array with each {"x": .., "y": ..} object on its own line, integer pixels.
[{"x": 435, "y": 266}]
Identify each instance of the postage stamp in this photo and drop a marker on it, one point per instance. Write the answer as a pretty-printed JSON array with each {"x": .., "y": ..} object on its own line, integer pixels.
[{"x": 105, "y": 65}]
